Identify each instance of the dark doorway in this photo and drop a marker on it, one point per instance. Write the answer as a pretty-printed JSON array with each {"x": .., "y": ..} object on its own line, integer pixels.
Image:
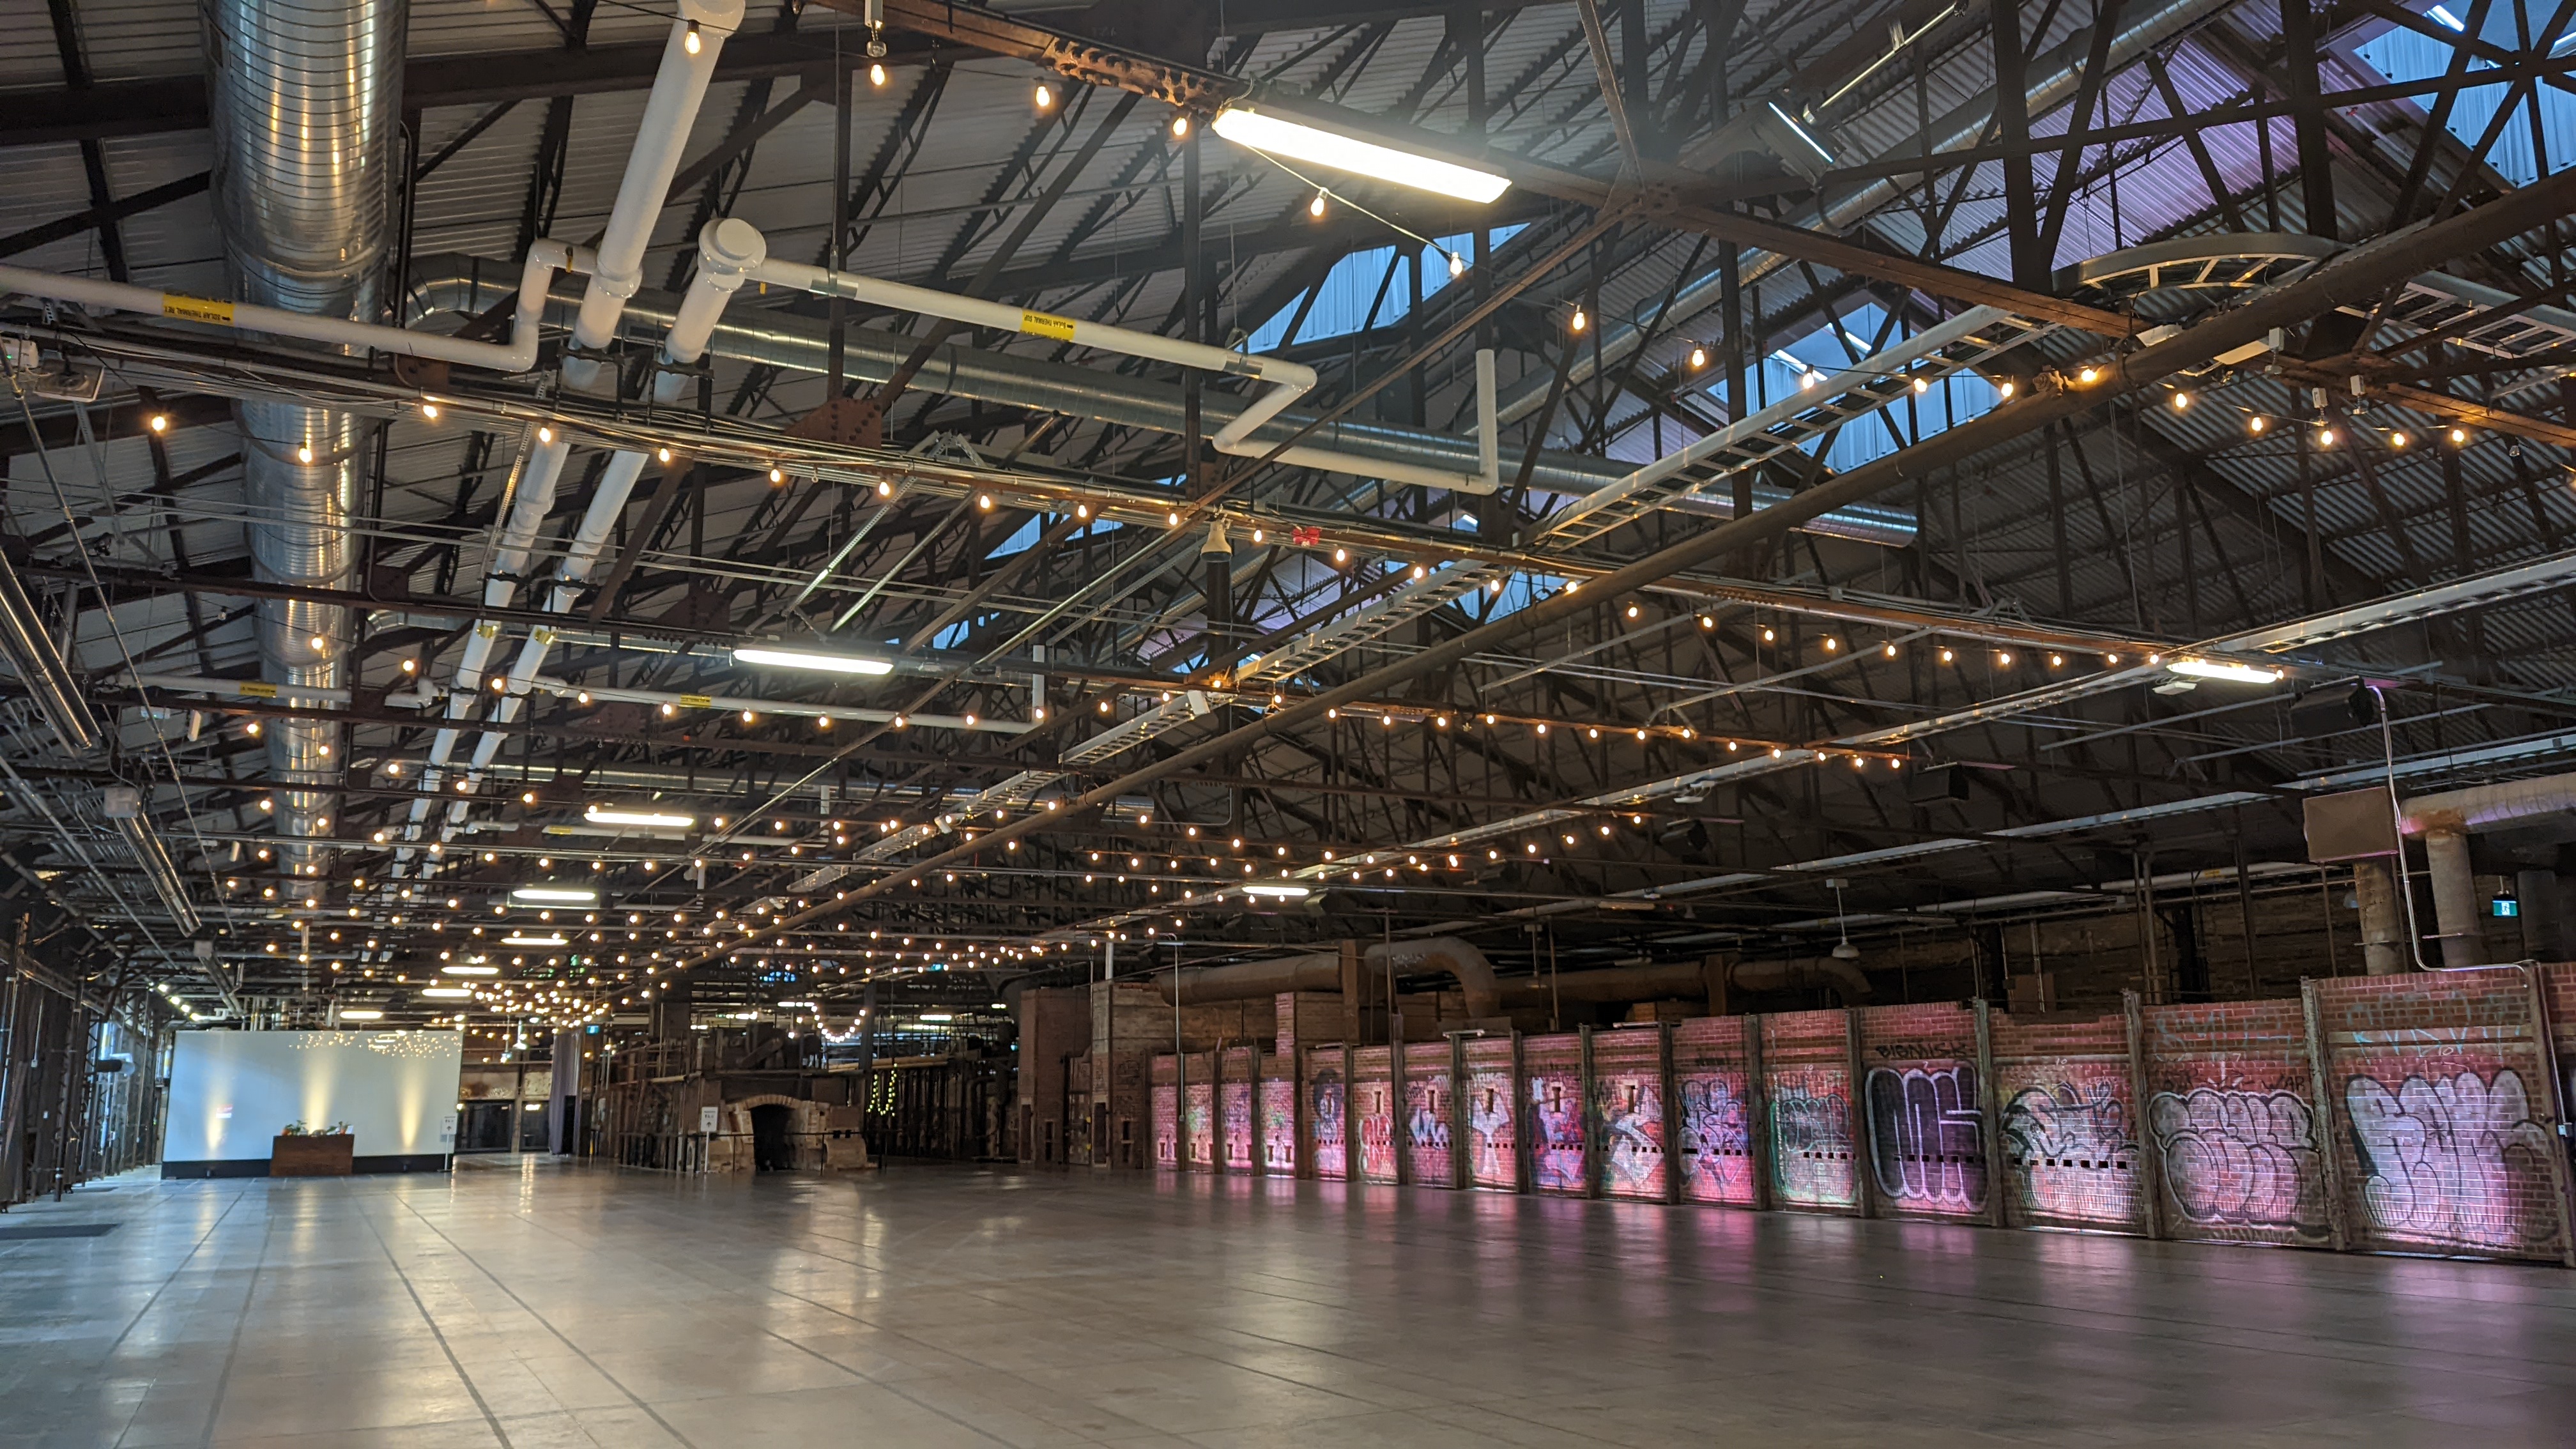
[
  {"x": 770, "y": 1151},
  {"x": 485, "y": 1126}
]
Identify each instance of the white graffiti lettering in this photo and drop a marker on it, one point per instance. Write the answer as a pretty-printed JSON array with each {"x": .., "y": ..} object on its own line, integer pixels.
[
  {"x": 2236, "y": 1159},
  {"x": 2071, "y": 1152},
  {"x": 2453, "y": 1160}
]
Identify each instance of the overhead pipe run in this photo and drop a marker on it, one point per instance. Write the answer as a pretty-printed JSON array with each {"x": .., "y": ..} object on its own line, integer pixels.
[
  {"x": 466, "y": 285},
  {"x": 1285, "y": 381},
  {"x": 689, "y": 55},
  {"x": 1250, "y": 980}
]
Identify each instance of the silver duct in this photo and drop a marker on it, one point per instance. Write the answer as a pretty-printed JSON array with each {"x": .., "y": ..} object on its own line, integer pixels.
[
  {"x": 2054, "y": 79},
  {"x": 466, "y": 284},
  {"x": 302, "y": 97}
]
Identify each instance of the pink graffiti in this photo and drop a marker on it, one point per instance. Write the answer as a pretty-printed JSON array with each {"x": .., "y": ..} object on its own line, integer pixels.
[
  {"x": 2241, "y": 1159},
  {"x": 2451, "y": 1160}
]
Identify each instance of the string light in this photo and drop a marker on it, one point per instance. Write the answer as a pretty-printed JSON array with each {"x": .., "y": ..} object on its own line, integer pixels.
[{"x": 1315, "y": 206}]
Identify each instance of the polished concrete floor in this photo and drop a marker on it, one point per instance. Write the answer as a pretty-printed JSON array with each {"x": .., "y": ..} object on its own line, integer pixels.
[{"x": 530, "y": 1305}]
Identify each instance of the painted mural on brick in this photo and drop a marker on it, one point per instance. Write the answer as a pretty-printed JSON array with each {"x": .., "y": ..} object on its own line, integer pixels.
[
  {"x": 1811, "y": 1141},
  {"x": 1377, "y": 1129},
  {"x": 1427, "y": 1108},
  {"x": 2071, "y": 1155},
  {"x": 1632, "y": 1135},
  {"x": 1278, "y": 1126},
  {"x": 1326, "y": 1108},
  {"x": 2241, "y": 1160},
  {"x": 1489, "y": 1131},
  {"x": 1556, "y": 1131},
  {"x": 1715, "y": 1136},
  {"x": 1198, "y": 1124},
  {"x": 2451, "y": 1158},
  {"x": 1927, "y": 1138},
  {"x": 1235, "y": 1124},
  {"x": 1166, "y": 1125}
]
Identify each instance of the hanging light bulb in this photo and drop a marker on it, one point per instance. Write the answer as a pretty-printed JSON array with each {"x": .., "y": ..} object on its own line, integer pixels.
[
  {"x": 876, "y": 73},
  {"x": 2459, "y": 437},
  {"x": 1315, "y": 207},
  {"x": 1045, "y": 96},
  {"x": 2397, "y": 439},
  {"x": 1181, "y": 126},
  {"x": 1921, "y": 386},
  {"x": 2325, "y": 437},
  {"x": 1457, "y": 266},
  {"x": 2255, "y": 424},
  {"x": 690, "y": 41},
  {"x": 1698, "y": 358},
  {"x": 2182, "y": 401},
  {"x": 1580, "y": 320}
]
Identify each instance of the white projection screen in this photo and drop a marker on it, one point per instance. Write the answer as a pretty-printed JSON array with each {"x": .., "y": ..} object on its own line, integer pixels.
[{"x": 231, "y": 1092}]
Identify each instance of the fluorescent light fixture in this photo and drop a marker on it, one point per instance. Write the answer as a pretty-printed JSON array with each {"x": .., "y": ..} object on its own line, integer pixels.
[
  {"x": 448, "y": 993},
  {"x": 360, "y": 1013},
  {"x": 2217, "y": 669},
  {"x": 1801, "y": 133},
  {"x": 650, "y": 819},
  {"x": 1281, "y": 889},
  {"x": 524, "y": 939},
  {"x": 554, "y": 896},
  {"x": 807, "y": 659},
  {"x": 469, "y": 970},
  {"x": 1300, "y": 142},
  {"x": 935, "y": 1016}
]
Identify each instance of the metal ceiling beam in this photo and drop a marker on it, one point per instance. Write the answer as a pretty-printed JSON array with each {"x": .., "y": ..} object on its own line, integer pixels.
[{"x": 2352, "y": 280}]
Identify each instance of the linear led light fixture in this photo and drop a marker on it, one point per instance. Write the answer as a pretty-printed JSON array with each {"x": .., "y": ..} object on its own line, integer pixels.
[
  {"x": 360, "y": 1013},
  {"x": 527, "y": 940},
  {"x": 649, "y": 819},
  {"x": 809, "y": 659},
  {"x": 1282, "y": 890},
  {"x": 463, "y": 970},
  {"x": 1300, "y": 142},
  {"x": 2216, "y": 669},
  {"x": 448, "y": 993},
  {"x": 555, "y": 896},
  {"x": 1801, "y": 133},
  {"x": 936, "y": 1016}
]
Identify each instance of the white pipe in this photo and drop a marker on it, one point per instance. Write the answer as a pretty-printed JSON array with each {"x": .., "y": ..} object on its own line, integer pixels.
[
  {"x": 2479, "y": 807},
  {"x": 1288, "y": 381},
  {"x": 727, "y": 250},
  {"x": 519, "y": 354},
  {"x": 670, "y": 113}
]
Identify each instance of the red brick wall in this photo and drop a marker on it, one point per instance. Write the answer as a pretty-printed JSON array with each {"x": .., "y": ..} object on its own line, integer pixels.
[
  {"x": 1628, "y": 1103},
  {"x": 1553, "y": 1115},
  {"x": 1806, "y": 1086},
  {"x": 2445, "y": 1135},
  {"x": 2070, "y": 1125},
  {"x": 1920, "y": 1100},
  {"x": 1713, "y": 1113},
  {"x": 1429, "y": 1097},
  {"x": 1491, "y": 1122},
  {"x": 1328, "y": 1113},
  {"x": 1373, "y": 1110},
  {"x": 2231, "y": 1112}
]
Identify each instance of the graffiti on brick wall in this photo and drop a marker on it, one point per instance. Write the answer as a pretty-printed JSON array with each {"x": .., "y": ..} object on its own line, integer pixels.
[
  {"x": 2241, "y": 1160},
  {"x": 1278, "y": 1126},
  {"x": 1376, "y": 1102},
  {"x": 1811, "y": 1147},
  {"x": 2453, "y": 1160},
  {"x": 1235, "y": 1113},
  {"x": 1427, "y": 1105},
  {"x": 1489, "y": 1131},
  {"x": 1632, "y": 1136},
  {"x": 2072, "y": 1155},
  {"x": 1927, "y": 1138},
  {"x": 1556, "y": 1137},
  {"x": 1716, "y": 1140},
  {"x": 1166, "y": 1127},
  {"x": 1332, "y": 1153},
  {"x": 1198, "y": 1122}
]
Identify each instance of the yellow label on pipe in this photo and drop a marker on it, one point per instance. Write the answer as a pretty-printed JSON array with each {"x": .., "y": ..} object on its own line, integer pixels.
[
  {"x": 697, "y": 701},
  {"x": 1047, "y": 324},
  {"x": 196, "y": 309},
  {"x": 258, "y": 689}
]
